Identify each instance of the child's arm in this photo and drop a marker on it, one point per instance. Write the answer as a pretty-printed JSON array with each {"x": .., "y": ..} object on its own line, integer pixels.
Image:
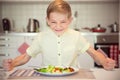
[
  {"x": 99, "y": 58},
  {"x": 9, "y": 64}
]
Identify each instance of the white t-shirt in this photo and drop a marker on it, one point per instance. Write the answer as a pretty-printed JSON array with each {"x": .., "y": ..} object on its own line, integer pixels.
[{"x": 58, "y": 50}]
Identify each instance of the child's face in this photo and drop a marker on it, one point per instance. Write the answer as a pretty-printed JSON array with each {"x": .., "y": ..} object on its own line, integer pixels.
[{"x": 58, "y": 22}]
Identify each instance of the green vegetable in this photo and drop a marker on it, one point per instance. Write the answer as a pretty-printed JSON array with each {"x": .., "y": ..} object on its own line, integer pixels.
[
  {"x": 66, "y": 70},
  {"x": 43, "y": 70},
  {"x": 53, "y": 69},
  {"x": 50, "y": 68}
]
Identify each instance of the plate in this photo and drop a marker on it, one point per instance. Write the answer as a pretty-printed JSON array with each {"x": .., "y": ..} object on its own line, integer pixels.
[{"x": 59, "y": 74}]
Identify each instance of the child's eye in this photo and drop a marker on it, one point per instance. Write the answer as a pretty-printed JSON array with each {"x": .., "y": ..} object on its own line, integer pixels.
[
  {"x": 53, "y": 22},
  {"x": 63, "y": 22}
]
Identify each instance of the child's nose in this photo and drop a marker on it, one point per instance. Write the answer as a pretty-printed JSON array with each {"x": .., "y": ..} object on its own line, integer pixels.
[{"x": 58, "y": 25}]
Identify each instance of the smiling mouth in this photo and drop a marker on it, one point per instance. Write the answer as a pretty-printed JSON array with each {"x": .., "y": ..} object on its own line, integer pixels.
[{"x": 59, "y": 30}]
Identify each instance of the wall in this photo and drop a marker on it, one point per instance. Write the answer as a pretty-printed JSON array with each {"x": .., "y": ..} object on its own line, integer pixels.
[
  {"x": 0, "y": 18},
  {"x": 89, "y": 14}
]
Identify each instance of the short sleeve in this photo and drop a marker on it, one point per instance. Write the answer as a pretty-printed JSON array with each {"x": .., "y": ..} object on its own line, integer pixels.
[
  {"x": 35, "y": 47},
  {"x": 82, "y": 44}
]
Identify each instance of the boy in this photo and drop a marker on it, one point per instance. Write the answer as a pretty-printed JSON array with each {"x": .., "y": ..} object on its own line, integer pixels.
[{"x": 59, "y": 45}]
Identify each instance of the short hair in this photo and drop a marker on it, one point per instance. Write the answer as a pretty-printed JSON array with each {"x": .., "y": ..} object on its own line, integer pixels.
[{"x": 59, "y": 6}]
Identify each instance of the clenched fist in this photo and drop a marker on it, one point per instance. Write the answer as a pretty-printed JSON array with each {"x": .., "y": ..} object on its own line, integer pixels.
[
  {"x": 109, "y": 64},
  {"x": 8, "y": 64}
]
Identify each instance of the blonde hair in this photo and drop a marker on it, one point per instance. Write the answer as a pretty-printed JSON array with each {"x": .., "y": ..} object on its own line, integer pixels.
[{"x": 59, "y": 6}]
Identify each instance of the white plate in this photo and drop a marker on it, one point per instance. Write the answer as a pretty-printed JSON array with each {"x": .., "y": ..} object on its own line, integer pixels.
[{"x": 59, "y": 74}]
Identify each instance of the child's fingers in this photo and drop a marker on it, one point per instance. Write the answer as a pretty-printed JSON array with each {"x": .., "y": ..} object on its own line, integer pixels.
[
  {"x": 9, "y": 60},
  {"x": 111, "y": 63},
  {"x": 7, "y": 64}
]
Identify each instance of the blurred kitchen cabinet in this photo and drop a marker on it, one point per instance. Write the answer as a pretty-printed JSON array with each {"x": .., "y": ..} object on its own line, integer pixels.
[
  {"x": 29, "y": 39},
  {"x": 9, "y": 46},
  {"x": 10, "y": 43},
  {"x": 0, "y": 17},
  {"x": 85, "y": 60}
]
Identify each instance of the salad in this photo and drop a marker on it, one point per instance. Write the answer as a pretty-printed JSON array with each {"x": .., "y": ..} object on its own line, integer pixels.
[{"x": 55, "y": 69}]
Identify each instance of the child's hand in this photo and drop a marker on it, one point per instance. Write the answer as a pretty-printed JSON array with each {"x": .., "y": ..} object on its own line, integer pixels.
[
  {"x": 8, "y": 64},
  {"x": 109, "y": 64}
]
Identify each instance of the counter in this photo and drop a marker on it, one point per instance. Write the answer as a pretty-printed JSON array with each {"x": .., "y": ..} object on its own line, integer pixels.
[
  {"x": 32, "y": 34},
  {"x": 99, "y": 74}
]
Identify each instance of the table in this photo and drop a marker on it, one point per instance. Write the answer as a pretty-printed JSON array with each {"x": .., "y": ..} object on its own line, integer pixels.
[{"x": 99, "y": 74}]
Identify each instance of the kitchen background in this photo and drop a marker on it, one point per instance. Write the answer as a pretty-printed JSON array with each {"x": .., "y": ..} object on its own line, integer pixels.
[
  {"x": 86, "y": 13},
  {"x": 89, "y": 13}
]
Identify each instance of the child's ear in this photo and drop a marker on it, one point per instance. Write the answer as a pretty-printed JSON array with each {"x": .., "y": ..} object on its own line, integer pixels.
[
  {"x": 70, "y": 19},
  {"x": 47, "y": 21}
]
